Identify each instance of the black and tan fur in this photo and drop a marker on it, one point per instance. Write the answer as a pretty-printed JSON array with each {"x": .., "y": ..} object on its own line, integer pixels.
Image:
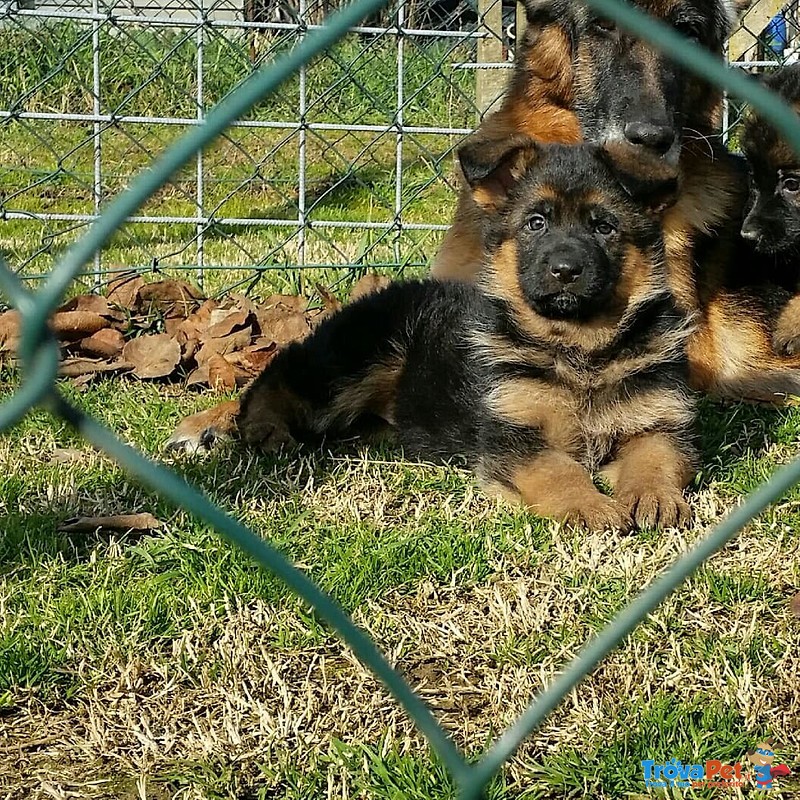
[
  {"x": 664, "y": 123},
  {"x": 772, "y": 223},
  {"x": 578, "y": 76},
  {"x": 566, "y": 359}
]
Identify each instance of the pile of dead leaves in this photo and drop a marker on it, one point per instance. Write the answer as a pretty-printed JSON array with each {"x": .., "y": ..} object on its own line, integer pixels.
[{"x": 167, "y": 329}]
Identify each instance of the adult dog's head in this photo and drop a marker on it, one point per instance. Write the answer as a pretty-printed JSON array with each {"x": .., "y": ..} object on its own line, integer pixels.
[{"x": 624, "y": 91}]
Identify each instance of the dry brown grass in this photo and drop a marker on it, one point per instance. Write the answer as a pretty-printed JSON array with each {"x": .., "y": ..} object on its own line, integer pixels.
[{"x": 224, "y": 692}]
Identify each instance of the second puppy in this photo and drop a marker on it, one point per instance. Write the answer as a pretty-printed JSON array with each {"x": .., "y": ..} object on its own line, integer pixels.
[
  {"x": 773, "y": 219},
  {"x": 567, "y": 359}
]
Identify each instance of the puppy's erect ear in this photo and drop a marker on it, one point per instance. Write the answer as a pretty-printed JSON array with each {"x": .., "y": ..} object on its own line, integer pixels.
[
  {"x": 492, "y": 167},
  {"x": 653, "y": 186}
]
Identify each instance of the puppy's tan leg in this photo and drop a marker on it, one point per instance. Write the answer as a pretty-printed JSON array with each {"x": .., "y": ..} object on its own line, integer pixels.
[
  {"x": 554, "y": 485},
  {"x": 648, "y": 478},
  {"x": 201, "y": 431},
  {"x": 786, "y": 338}
]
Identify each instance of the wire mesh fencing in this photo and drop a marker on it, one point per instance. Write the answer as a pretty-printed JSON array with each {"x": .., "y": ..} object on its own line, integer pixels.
[
  {"x": 349, "y": 167},
  {"x": 349, "y": 164},
  {"x": 39, "y": 356}
]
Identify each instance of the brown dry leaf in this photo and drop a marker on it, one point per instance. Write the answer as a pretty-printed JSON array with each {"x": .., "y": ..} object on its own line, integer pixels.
[
  {"x": 192, "y": 330},
  {"x": 292, "y": 302},
  {"x": 224, "y": 321},
  {"x": 123, "y": 291},
  {"x": 106, "y": 343},
  {"x": 172, "y": 325},
  {"x": 198, "y": 377},
  {"x": 9, "y": 330},
  {"x": 368, "y": 284},
  {"x": 95, "y": 303},
  {"x": 171, "y": 297},
  {"x": 282, "y": 325},
  {"x": 203, "y": 314},
  {"x": 221, "y": 374},
  {"x": 794, "y": 605},
  {"x": 71, "y": 325},
  {"x": 76, "y": 367},
  {"x": 118, "y": 522},
  {"x": 223, "y": 345},
  {"x": 239, "y": 300},
  {"x": 253, "y": 360},
  {"x": 152, "y": 356},
  {"x": 331, "y": 302},
  {"x": 67, "y": 455}
]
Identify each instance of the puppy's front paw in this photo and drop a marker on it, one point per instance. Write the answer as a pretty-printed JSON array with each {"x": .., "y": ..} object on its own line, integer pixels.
[
  {"x": 656, "y": 507},
  {"x": 599, "y": 513}
]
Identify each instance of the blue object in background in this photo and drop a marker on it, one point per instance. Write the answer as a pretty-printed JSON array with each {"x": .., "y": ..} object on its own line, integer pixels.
[{"x": 775, "y": 34}]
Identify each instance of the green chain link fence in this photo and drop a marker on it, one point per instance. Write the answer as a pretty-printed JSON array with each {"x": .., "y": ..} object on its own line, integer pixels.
[{"x": 39, "y": 356}]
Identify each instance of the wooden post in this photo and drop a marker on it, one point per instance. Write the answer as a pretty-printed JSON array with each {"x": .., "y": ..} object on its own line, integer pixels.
[
  {"x": 520, "y": 22},
  {"x": 490, "y": 83},
  {"x": 744, "y": 39}
]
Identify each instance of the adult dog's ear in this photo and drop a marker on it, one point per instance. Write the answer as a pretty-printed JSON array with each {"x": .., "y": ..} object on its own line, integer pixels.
[
  {"x": 492, "y": 167},
  {"x": 652, "y": 186}
]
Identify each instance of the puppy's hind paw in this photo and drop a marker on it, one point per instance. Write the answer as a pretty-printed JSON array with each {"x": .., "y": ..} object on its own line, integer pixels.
[
  {"x": 202, "y": 432},
  {"x": 268, "y": 433}
]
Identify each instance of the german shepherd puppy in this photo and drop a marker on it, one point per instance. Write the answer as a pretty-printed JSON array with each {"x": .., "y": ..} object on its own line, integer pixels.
[
  {"x": 773, "y": 216},
  {"x": 567, "y": 357}
]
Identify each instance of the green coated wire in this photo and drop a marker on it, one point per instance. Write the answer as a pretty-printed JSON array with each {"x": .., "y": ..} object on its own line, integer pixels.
[
  {"x": 170, "y": 485},
  {"x": 40, "y": 355},
  {"x": 43, "y": 359},
  {"x": 235, "y": 105},
  {"x": 629, "y": 618}
]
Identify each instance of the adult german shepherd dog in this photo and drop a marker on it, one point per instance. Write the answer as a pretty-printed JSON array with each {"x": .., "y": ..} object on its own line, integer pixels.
[{"x": 566, "y": 357}]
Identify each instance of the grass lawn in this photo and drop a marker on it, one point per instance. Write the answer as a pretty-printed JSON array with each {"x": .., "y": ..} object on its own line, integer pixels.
[{"x": 167, "y": 665}]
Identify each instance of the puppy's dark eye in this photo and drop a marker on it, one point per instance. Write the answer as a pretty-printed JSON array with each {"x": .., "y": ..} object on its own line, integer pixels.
[
  {"x": 536, "y": 223},
  {"x": 791, "y": 185},
  {"x": 604, "y": 228}
]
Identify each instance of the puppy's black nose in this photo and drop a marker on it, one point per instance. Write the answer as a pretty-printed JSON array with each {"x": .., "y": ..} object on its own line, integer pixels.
[
  {"x": 750, "y": 231},
  {"x": 647, "y": 134},
  {"x": 566, "y": 271}
]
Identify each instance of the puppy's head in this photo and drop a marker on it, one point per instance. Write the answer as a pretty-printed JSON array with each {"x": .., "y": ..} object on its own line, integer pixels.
[
  {"x": 773, "y": 216},
  {"x": 562, "y": 234}
]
